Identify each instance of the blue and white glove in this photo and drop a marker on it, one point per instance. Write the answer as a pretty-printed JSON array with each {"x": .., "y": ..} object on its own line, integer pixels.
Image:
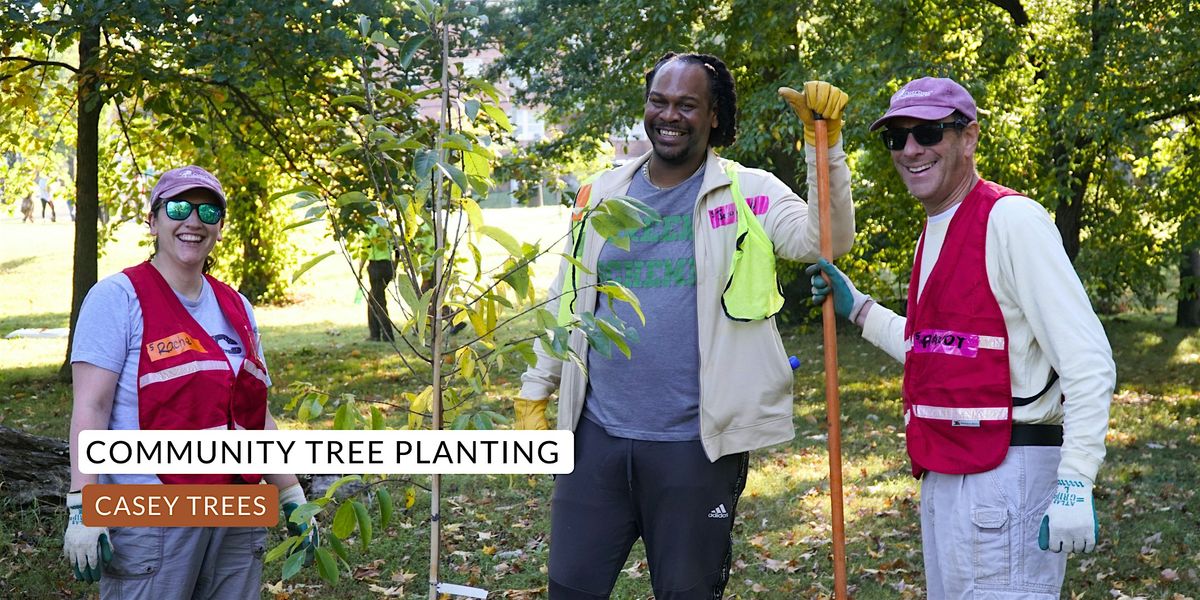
[
  {"x": 1070, "y": 522},
  {"x": 86, "y": 548},
  {"x": 289, "y": 500},
  {"x": 848, "y": 302}
]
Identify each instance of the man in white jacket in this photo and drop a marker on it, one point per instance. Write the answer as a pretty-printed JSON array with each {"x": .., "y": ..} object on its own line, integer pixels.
[
  {"x": 1008, "y": 374},
  {"x": 661, "y": 439}
]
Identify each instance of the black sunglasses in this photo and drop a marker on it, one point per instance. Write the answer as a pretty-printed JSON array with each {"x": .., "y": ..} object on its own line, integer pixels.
[
  {"x": 178, "y": 210},
  {"x": 926, "y": 134}
]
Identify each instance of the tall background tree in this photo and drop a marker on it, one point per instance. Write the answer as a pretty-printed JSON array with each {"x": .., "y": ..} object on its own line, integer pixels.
[
  {"x": 233, "y": 82},
  {"x": 1086, "y": 106}
]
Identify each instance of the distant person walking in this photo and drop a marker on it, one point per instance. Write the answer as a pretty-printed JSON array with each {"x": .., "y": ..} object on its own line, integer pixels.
[
  {"x": 381, "y": 269},
  {"x": 27, "y": 209},
  {"x": 43, "y": 191}
]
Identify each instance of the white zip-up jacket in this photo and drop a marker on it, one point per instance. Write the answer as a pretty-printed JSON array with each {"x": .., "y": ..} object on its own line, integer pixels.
[{"x": 745, "y": 378}]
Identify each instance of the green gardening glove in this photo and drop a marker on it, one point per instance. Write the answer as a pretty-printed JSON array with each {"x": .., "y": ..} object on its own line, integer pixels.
[
  {"x": 848, "y": 302},
  {"x": 289, "y": 500}
]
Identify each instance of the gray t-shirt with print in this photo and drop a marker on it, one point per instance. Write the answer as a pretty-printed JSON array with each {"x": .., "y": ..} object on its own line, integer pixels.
[
  {"x": 109, "y": 335},
  {"x": 655, "y": 394}
]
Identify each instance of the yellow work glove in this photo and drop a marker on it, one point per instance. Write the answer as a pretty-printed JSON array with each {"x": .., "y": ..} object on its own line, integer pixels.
[
  {"x": 820, "y": 97},
  {"x": 530, "y": 414}
]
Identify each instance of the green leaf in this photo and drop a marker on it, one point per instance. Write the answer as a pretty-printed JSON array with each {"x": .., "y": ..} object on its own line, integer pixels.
[
  {"x": 327, "y": 566},
  {"x": 344, "y": 148},
  {"x": 309, "y": 221},
  {"x": 339, "y": 483},
  {"x": 338, "y": 547},
  {"x": 382, "y": 38},
  {"x": 292, "y": 565},
  {"x": 310, "y": 264},
  {"x": 304, "y": 191},
  {"x": 497, "y": 115},
  {"x": 477, "y": 167},
  {"x": 350, "y": 99},
  {"x": 377, "y": 419},
  {"x": 400, "y": 95},
  {"x": 424, "y": 162},
  {"x": 339, "y": 418},
  {"x": 615, "y": 335},
  {"x": 576, "y": 263},
  {"x": 410, "y": 48},
  {"x": 305, "y": 200},
  {"x": 304, "y": 512},
  {"x": 352, "y": 198},
  {"x": 482, "y": 422},
  {"x": 281, "y": 549},
  {"x": 474, "y": 214},
  {"x": 344, "y": 521},
  {"x": 385, "y": 506},
  {"x": 460, "y": 422},
  {"x": 518, "y": 278},
  {"x": 364, "y": 523},
  {"x": 455, "y": 174},
  {"x": 486, "y": 87},
  {"x": 506, "y": 240},
  {"x": 471, "y": 107},
  {"x": 616, "y": 291}
]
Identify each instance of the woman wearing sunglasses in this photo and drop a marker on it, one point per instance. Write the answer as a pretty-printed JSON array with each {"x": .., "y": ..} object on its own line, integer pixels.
[{"x": 164, "y": 346}]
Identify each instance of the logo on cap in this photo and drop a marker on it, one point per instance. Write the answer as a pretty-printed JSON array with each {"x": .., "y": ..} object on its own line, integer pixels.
[{"x": 907, "y": 93}]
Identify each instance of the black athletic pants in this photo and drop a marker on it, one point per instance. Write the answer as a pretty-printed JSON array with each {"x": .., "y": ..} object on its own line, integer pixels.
[
  {"x": 379, "y": 326},
  {"x": 667, "y": 493}
]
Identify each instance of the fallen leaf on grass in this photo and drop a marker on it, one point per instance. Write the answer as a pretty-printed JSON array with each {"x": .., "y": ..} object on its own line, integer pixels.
[
  {"x": 391, "y": 592},
  {"x": 403, "y": 577}
]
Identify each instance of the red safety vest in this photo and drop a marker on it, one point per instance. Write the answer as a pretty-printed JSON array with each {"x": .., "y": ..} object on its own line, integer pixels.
[
  {"x": 957, "y": 389},
  {"x": 184, "y": 379}
]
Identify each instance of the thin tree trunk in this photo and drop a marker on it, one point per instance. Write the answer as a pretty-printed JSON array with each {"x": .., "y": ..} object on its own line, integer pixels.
[
  {"x": 440, "y": 216},
  {"x": 87, "y": 178},
  {"x": 1187, "y": 314}
]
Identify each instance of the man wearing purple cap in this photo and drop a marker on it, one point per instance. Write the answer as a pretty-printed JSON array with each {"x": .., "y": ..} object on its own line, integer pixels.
[
  {"x": 164, "y": 346},
  {"x": 1008, "y": 375}
]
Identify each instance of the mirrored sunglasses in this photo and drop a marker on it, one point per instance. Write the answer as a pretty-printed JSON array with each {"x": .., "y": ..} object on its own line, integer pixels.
[
  {"x": 926, "y": 134},
  {"x": 178, "y": 210}
]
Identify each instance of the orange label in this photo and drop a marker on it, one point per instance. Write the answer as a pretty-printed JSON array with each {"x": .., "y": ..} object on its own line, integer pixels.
[
  {"x": 581, "y": 202},
  {"x": 155, "y": 505},
  {"x": 172, "y": 345}
]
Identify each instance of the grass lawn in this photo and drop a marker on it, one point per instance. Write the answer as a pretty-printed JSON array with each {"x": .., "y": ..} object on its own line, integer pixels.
[{"x": 497, "y": 526}]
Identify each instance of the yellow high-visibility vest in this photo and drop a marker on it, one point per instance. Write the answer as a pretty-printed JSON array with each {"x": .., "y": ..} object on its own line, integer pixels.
[{"x": 752, "y": 292}]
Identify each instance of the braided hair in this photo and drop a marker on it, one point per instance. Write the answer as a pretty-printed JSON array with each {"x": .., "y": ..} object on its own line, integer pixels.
[{"x": 720, "y": 89}]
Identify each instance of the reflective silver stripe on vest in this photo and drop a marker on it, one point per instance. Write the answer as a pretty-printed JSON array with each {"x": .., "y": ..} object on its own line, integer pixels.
[
  {"x": 250, "y": 368},
  {"x": 947, "y": 413},
  {"x": 182, "y": 370},
  {"x": 991, "y": 342}
]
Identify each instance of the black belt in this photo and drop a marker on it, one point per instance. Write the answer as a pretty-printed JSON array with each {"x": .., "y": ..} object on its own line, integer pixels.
[{"x": 1036, "y": 435}]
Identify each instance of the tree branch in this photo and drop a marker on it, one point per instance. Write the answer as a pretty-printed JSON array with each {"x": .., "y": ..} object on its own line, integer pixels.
[
  {"x": 1014, "y": 10},
  {"x": 35, "y": 62},
  {"x": 1179, "y": 111}
]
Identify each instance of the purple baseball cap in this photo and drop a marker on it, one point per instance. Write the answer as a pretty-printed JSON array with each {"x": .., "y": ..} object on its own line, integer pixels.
[
  {"x": 929, "y": 99},
  {"x": 182, "y": 179}
]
